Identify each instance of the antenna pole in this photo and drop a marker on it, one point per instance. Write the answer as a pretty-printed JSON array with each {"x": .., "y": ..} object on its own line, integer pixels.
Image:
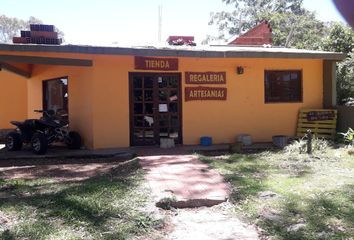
[{"x": 159, "y": 24}]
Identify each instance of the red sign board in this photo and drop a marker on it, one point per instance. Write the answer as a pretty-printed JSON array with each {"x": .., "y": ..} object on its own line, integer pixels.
[
  {"x": 206, "y": 77},
  {"x": 151, "y": 63},
  {"x": 205, "y": 93}
]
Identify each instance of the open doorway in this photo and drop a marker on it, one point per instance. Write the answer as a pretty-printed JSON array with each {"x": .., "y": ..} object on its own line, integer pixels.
[{"x": 55, "y": 96}]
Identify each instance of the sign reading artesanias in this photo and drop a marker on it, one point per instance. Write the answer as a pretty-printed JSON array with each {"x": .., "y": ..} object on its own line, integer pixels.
[
  {"x": 150, "y": 63},
  {"x": 206, "y": 77},
  {"x": 205, "y": 93}
]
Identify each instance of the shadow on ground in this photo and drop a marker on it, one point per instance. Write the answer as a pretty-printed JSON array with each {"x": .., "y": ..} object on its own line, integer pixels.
[
  {"x": 328, "y": 215},
  {"x": 99, "y": 207},
  {"x": 272, "y": 193}
]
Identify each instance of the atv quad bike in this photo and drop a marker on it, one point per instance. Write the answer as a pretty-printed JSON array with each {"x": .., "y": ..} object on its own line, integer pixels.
[{"x": 40, "y": 133}]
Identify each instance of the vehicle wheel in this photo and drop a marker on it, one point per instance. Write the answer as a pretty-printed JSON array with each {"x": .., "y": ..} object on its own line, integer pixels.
[
  {"x": 13, "y": 141},
  {"x": 39, "y": 143},
  {"x": 74, "y": 140}
]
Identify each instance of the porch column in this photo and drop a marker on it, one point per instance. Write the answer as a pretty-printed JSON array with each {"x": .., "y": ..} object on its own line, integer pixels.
[{"x": 329, "y": 84}]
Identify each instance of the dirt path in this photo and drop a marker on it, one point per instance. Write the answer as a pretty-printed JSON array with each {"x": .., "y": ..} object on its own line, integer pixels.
[
  {"x": 205, "y": 223},
  {"x": 192, "y": 183},
  {"x": 185, "y": 180},
  {"x": 209, "y": 224}
]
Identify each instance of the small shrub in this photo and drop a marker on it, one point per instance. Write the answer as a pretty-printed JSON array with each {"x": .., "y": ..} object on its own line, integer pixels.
[
  {"x": 348, "y": 137},
  {"x": 319, "y": 145},
  {"x": 297, "y": 146}
]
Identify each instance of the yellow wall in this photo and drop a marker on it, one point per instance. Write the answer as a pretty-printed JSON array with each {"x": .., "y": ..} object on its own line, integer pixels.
[
  {"x": 111, "y": 101},
  {"x": 13, "y": 98},
  {"x": 244, "y": 111},
  {"x": 80, "y": 91},
  {"x": 99, "y": 98}
]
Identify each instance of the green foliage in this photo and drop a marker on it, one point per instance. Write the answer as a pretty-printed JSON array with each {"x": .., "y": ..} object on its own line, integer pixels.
[
  {"x": 110, "y": 206},
  {"x": 292, "y": 25},
  {"x": 319, "y": 146},
  {"x": 278, "y": 191},
  {"x": 340, "y": 38},
  {"x": 345, "y": 80},
  {"x": 298, "y": 31},
  {"x": 348, "y": 136},
  {"x": 11, "y": 27}
]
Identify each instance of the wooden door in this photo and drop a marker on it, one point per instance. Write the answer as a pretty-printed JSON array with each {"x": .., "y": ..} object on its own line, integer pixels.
[{"x": 155, "y": 108}]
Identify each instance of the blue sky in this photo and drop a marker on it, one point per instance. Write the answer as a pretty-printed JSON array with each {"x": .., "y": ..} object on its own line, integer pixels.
[{"x": 101, "y": 22}]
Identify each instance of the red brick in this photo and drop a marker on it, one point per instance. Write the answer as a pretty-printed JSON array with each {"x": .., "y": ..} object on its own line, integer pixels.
[
  {"x": 19, "y": 40},
  {"x": 259, "y": 35},
  {"x": 44, "y": 34}
]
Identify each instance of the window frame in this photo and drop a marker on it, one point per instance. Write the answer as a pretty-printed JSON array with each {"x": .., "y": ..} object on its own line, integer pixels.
[
  {"x": 300, "y": 73},
  {"x": 44, "y": 84}
]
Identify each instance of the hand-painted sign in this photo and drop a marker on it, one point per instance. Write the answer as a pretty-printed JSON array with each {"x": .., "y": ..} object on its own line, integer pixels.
[
  {"x": 205, "y": 93},
  {"x": 150, "y": 63},
  {"x": 205, "y": 77},
  {"x": 320, "y": 115}
]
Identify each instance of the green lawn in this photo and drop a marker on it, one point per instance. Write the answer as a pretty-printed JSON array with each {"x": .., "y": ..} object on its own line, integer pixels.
[
  {"x": 291, "y": 195},
  {"x": 104, "y": 207}
]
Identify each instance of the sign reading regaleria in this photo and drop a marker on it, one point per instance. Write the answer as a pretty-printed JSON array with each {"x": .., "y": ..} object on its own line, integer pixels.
[
  {"x": 206, "y": 77},
  {"x": 205, "y": 93},
  {"x": 150, "y": 63}
]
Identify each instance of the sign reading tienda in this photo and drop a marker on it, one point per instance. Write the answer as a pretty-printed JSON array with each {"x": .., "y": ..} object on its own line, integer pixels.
[
  {"x": 206, "y": 77},
  {"x": 150, "y": 63},
  {"x": 205, "y": 93}
]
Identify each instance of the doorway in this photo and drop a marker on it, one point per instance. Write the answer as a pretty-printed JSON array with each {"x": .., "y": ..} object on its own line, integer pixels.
[
  {"x": 155, "y": 108},
  {"x": 55, "y": 96}
]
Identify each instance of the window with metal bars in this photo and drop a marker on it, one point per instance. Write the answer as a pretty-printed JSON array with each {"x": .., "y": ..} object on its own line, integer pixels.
[{"x": 283, "y": 86}]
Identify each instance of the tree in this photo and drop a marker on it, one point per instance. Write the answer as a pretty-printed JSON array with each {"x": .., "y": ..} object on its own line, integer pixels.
[
  {"x": 11, "y": 27},
  {"x": 345, "y": 81},
  {"x": 293, "y": 26},
  {"x": 340, "y": 38}
]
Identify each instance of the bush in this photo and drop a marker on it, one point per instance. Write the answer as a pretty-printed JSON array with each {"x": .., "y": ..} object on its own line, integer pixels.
[
  {"x": 319, "y": 145},
  {"x": 348, "y": 137}
]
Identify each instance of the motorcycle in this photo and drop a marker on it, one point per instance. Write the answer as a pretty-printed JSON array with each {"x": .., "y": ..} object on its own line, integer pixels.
[{"x": 40, "y": 133}]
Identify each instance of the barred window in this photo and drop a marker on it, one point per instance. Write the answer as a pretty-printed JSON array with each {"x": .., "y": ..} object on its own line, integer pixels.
[{"x": 283, "y": 86}]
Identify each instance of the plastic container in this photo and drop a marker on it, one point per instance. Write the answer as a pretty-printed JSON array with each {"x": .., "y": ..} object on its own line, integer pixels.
[
  {"x": 245, "y": 139},
  {"x": 206, "y": 141},
  {"x": 167, "y": 143},
  {"x": 280, "y": 141}
]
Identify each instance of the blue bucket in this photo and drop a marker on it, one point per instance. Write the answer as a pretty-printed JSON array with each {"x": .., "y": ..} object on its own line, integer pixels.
[{"x": 205, "y": 141}]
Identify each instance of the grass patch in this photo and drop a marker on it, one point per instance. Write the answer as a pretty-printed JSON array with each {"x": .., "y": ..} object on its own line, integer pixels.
[
  {"x": 104, "y": 207},
  {"x": 312, "y": 196}
]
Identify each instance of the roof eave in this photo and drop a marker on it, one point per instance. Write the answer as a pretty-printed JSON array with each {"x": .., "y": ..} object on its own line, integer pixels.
[{"x": 169, "y": 52}]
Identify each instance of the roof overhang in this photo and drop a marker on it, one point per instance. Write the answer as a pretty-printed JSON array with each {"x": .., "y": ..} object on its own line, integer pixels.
[
  {"x": 207, "y": 52},
  {"x": 22, "y": 65}
]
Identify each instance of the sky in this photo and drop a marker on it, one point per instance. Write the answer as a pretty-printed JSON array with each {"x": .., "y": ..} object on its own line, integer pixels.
[{"x": 133, "y": 23}]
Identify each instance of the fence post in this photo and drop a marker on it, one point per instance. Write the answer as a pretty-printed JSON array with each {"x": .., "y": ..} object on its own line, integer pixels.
[{"x": 309, "y": 141}]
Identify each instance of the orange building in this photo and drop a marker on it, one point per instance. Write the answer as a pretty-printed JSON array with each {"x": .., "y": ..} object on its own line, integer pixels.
[{"x": 120, "y": 97}]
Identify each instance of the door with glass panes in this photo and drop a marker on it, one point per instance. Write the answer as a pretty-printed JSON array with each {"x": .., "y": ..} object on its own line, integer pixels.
[{"x": 155, "y": 108}]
